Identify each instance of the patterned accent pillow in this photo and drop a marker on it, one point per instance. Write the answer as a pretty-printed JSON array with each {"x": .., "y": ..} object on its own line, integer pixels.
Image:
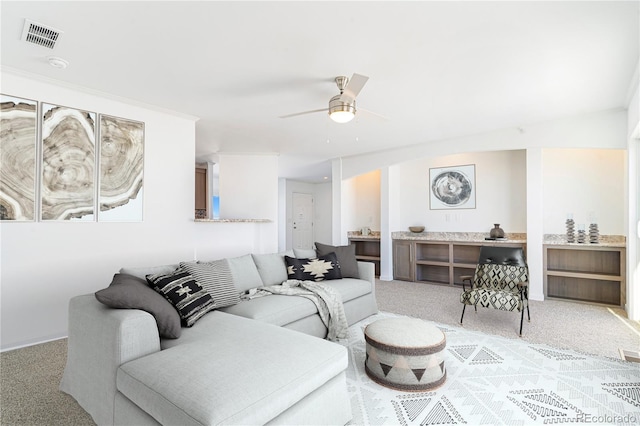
[
  {"x": 215, "y": 277},
  {"x": 184, "y": 293},
  {"x": 316, "y": 269}
]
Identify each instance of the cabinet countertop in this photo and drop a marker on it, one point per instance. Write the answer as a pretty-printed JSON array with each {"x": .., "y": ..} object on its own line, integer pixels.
[
  {"x": 560, "y": 240},
  {"x": 357, "y": 235},
  {"x": 232, "y": 220},
  {"x": 462, "y": 237}
]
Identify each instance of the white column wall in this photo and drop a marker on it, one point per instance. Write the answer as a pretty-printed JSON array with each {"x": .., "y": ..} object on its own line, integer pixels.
[
  {"x": 633, "y": 197},
  {"x": 535, "y": 225},
  {"x": 388, "y": 201}
]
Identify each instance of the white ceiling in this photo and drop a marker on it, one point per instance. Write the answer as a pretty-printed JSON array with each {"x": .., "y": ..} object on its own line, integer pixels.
[{"x": 437, "y": 69}]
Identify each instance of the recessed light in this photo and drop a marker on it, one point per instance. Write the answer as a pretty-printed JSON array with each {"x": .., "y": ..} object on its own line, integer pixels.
[{"x": 57, "y": 62}]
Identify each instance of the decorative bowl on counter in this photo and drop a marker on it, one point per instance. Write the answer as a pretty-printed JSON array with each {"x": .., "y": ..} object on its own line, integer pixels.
[{"x": 416, "y": 229}]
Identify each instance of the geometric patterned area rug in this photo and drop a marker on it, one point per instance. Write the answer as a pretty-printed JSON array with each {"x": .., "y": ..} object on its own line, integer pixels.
[{"x": 493, "y": 380}]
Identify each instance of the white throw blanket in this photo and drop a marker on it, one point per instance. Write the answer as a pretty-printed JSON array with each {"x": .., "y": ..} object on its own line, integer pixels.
[{"x": 326, "y": 299}]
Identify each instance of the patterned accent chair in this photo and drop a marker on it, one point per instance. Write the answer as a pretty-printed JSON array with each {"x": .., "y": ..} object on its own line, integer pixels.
[{"x": 500, "y": 281}]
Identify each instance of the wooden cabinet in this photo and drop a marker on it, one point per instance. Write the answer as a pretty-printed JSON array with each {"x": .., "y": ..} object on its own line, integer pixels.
[
  {"x": 593, "y": 274},
  {"x": 201, "y": 188},
  {"x": 368, "y": 249},
  {"x": 403, "y": 260},
  {"x": 438, "y": 262}
]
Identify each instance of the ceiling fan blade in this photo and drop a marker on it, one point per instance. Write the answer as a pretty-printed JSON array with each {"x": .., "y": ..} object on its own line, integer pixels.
[
  {"x": 366, "y": 111},
  {"x": 354, "y": 87},
  {"x": 303, "y": 113}
]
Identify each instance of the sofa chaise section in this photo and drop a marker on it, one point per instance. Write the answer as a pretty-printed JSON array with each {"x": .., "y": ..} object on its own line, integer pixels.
[{"x": 265, "y": 370}]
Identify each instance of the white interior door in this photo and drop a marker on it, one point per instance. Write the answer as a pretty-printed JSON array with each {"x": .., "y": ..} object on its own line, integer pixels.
[{"x": 302, "y": 206}]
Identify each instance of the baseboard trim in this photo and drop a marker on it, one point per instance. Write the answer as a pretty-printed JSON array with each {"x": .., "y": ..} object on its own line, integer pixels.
[{"x": 34, "y": 342}]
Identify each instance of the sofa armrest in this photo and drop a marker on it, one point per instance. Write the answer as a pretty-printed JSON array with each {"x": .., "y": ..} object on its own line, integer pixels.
[
  {"x": 100, "y": 340},
  {"x": 367, "y": 271}
]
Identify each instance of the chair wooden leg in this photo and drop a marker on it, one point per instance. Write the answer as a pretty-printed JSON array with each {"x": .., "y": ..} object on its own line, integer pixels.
[
  {"x": 463, "y": 308},
  {"x": 528, "y": 315},
  {"x": 521, "y": 319}
]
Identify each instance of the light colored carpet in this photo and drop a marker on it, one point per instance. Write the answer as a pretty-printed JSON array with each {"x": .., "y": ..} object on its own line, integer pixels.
[
  {"x": 583, "y": 327},
  {"x": 30, "y": 376},
  {"x": 29, "y": 394}
]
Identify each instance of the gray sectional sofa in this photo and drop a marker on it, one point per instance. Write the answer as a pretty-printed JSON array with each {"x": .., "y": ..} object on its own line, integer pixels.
[{"x": 259, "y": 361}]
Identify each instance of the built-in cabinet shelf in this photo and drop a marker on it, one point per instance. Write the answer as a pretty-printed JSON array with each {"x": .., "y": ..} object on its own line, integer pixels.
[
  {"x": 585, "y": 273},
  {"x": 368, "y": 250},
  {"x": 438, "y": 262}
]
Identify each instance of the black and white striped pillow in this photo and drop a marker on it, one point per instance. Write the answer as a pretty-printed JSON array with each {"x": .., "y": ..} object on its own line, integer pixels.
[
  {"x": 184, "y": 293},
  {"x": 216, "y": 279}
]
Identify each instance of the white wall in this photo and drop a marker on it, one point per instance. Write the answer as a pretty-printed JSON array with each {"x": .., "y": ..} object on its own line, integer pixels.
[
  {"x": 248, "y": 186},
  {"x": 365, "y": 196},
  {"x": 349, "y": 202},
  {"x": 633, "y": 203},
  {"x": 43, "y": 265},
  {"x": 585, "y": 183},
  {"x": 606, "y": 129},
  {"x": 322, "y": 213},
  {"x": 500, "y": 194}
]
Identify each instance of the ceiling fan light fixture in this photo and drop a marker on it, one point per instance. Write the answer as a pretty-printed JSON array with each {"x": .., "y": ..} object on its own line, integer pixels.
[{"x": 340, "y": 111}]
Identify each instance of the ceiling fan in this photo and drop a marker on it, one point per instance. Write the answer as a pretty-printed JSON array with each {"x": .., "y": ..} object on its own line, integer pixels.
[{"x": 342, "y": 107}]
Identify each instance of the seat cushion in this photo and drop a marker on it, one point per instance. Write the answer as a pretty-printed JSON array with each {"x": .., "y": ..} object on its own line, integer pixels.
[
  {"x": 282, "y": 310},
  {"x": 274, "y": 309},
  {"x": 241, "y": 372},
  {"x": 497, "y": 299},
  {"x": 350, "y": 288}
]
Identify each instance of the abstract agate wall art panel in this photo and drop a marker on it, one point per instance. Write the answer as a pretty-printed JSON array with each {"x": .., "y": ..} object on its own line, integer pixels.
[
  {"x": 453, "y": 187},
  {"x": 18, "y": 132},
  {"x": 121, "y": 169},
  {"x": 68, "y": 163}
]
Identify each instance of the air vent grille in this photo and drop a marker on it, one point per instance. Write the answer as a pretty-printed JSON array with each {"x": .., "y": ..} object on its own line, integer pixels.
[{"x": 39, "y": 34}]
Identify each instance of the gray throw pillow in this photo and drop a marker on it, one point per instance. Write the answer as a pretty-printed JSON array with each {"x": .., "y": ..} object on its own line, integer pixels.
[
  {"x": 142, "y": 272},
  {"x": 245, "y": 273},
  {"x": 346, "y": 258},
  {"x": 272, "y": 268},
  {"x": 215, "y": 277},
  {"x": 304, "y": 253},
  {"x": 129, "y": 292}
]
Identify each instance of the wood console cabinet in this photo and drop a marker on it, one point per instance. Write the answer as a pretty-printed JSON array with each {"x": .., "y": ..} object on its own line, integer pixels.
[
  {"x": 585, "y": 273},
  {"x": 438, "y": 262},
  {"x": 368, "y": 249}
]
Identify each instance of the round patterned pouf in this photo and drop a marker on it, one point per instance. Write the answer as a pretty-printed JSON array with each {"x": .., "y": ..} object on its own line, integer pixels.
[{"x": 405, "y": 354}]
